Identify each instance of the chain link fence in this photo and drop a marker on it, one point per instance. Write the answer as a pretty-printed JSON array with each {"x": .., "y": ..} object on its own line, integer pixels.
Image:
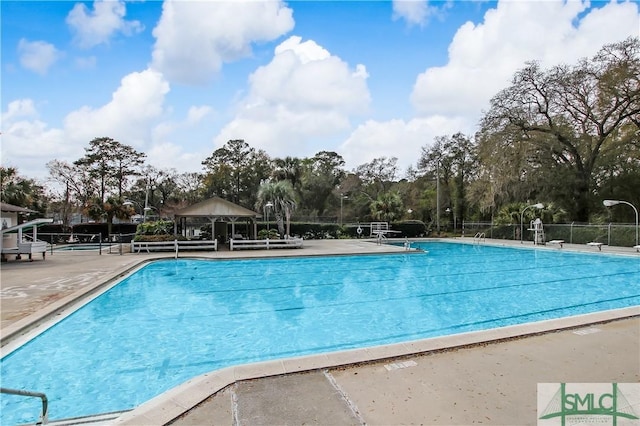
[
  {"x": 618, "y": 234},
  {"x": 78, "y": 243}
]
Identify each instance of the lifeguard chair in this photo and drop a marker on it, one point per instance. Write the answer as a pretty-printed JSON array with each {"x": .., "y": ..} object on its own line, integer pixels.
[{"x": 538, "y": 231}]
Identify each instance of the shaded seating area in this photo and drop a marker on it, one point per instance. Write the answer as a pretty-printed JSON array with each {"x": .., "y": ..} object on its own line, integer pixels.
[{"x": 218, "y": 213}]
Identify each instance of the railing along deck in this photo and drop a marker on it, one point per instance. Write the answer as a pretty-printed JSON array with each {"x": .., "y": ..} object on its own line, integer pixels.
[{"x": 235, "y": 244}]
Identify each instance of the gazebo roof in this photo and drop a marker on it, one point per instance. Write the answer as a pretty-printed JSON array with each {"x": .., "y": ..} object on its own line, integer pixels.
[
  {"x": 5, "y": 207},
  {"x": 216, "y": 207}
]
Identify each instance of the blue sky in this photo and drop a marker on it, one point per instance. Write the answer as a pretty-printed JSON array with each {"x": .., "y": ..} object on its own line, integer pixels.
[{"x": 366, "y": 79}]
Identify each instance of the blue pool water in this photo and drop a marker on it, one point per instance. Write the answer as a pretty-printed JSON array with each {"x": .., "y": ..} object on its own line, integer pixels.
[{"x": 175, "y": 319}]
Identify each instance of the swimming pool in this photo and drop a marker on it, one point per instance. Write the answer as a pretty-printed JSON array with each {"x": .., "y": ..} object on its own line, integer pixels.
[{"x": 175, "y": 319}]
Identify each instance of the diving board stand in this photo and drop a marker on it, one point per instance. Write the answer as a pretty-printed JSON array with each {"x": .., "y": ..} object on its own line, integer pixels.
[
  {"x": 557, "y": 242},
  {"x": 595, "y": 244},
  {"x": 380, "y": 230}
]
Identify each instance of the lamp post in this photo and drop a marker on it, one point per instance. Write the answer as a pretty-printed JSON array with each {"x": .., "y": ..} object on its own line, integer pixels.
[
  {"x": 611, "y": 203},
  {"x": 267, "y": 207},
  {"x": 537, "y": 206},
  {"x": 131, "y": 203},
  {"x": 438, "y": 196},
  {"x": 146, "y": 201},
  {"x": 448, "y": 210},
  {"x": 342, "y": 197},
  {"x": 148, "y": 209}
]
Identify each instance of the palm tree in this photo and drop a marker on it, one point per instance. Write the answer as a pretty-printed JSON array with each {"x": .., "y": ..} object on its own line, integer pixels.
[
  {"x": 282, "y": 196},
  {"x": 288, "y": 168},
  {"x": 387, "y": 206}
]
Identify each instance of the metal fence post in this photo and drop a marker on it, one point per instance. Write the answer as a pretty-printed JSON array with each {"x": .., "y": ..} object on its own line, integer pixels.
[{"x": 571, "y": 233}]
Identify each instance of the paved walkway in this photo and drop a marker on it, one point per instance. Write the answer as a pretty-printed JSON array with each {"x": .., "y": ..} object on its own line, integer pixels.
[
  {"x": 491, "y": 384},
  {"x": 466, "y": 382}
]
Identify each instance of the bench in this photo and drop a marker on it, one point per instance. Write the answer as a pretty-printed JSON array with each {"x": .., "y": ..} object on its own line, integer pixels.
[
  {"x": 149, "y": 246},
  {"x": 265, "y": 244},
  {"x": 558, "y": 242},
  {"x": 27, "y": 247},
  {"x": 595, "y": 244}
]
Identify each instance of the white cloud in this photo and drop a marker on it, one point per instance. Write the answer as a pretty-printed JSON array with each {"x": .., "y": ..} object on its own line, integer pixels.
[
  {"x": 128, "y": 116},
  {"x": 194, "y": 39},
  {"x": 37, "y": 56},
  {"x": 397, "y": 138},
  {"x": 27, "y": 142},
  {"x": 133, "y": 109},
  {"x": 98, "y": 26},
  {"x": 136, "y": 115},
  {"x": 413, "y": 11},
  {"x": 418, "y": 12},
  {"x": 167, "y": 155},
  {"x": 198, "y": 113},
  {"x": 21, "y": 108},
  {"x": 163, "y": 153},
  {"x": 482, "y": 61},
  {"x": 302, "y": 98},
  {"x": 484, "y": 57}
]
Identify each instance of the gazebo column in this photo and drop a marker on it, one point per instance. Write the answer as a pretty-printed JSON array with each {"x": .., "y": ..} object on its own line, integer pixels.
[{"x": 233, "y": 220}]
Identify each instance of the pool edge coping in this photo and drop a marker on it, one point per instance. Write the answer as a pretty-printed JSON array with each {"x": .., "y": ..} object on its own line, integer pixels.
[
  {"x": 180, "y": 399},
  {"x": 45, "y": 317}
]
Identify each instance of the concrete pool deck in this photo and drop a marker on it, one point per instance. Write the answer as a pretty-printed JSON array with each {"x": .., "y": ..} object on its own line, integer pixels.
[{"x": 487, "y": 377}]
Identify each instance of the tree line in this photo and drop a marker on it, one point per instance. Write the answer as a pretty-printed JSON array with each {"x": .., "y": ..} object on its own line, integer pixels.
[{"x": 567, "y": 136}]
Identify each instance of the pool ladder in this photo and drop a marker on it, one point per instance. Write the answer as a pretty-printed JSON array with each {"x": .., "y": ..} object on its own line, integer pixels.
[
  {"x": 94, "y": 419},
  {"x": 479, "y": 237},
  {"x": 43, "y": 420}
]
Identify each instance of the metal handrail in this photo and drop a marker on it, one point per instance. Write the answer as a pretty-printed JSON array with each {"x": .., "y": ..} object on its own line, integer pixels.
[
  {"x": 45, "y": 403},
  {"x": 479, "y": 237}
]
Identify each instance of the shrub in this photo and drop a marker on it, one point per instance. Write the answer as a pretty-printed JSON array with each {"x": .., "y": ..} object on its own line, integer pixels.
[
  {"x": 409, "y": 229},
  {"x": 160, "y": 227},
  {"x": 158, "y": 237},
  {"x": 272, "y": 234}
]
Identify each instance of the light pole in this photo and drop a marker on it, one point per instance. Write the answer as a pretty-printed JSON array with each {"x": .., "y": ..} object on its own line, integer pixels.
[
  {"x": 448, "y": 210},
  {"x": 438, "y": 196},
  {"x": 611, "y": 203},
  {"x": 267, "y": 207},
  {"x": 537, "y": 206},
  {"x": 342, "y": 197},
  {"x": 131, "y": 203},
  {"x": 146, "y": 200},
  {"x": 148, "y": 209}
]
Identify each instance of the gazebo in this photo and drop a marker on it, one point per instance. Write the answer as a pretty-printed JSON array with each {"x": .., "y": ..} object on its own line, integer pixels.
[{"x": 219, "y": 212}]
